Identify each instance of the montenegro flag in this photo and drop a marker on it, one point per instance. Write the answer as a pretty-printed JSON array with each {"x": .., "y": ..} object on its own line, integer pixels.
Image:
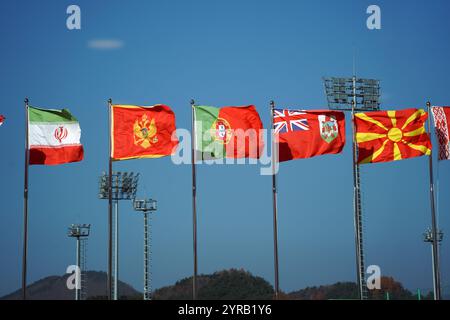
[
  {"x": 384, "y": 136},
  {"x": 142, "y": 132}
]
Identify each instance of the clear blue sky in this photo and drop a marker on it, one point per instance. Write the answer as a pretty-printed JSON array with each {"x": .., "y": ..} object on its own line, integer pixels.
[{"x": 220, "y": 53}]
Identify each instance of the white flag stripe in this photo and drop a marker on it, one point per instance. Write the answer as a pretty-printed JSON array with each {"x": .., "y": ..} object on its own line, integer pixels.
[{"x": 54, "y": 135}]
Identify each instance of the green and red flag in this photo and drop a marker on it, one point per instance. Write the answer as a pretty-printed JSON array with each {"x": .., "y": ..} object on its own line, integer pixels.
[
  {"x": 53, "y": 137},
  {"x": 228, "y": 132}
]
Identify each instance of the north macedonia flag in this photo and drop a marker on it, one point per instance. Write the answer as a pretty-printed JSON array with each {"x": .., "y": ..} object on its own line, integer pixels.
[{"x": 384, "y": 136}]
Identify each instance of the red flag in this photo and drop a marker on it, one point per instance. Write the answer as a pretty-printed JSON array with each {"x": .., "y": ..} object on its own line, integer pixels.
[
  {"x": 391, "y": 135},
  {"x": 231, "y": 132},
  {"x": 142, "y": 132},
  {"x": 441, "y": 117},
  {"x": 2, "y": 118},
  {"x": 306, "y": 134}
]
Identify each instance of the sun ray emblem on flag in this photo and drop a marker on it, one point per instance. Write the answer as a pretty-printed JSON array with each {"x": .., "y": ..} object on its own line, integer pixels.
[
  {"x": 289, "y": 121},
  {"x": 384, "y": 136}
]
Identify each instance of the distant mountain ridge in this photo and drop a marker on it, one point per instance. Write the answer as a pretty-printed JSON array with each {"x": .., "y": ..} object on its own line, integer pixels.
[
  {"x": 232, "y": 284},
  {"x": 55, "y": 288}
]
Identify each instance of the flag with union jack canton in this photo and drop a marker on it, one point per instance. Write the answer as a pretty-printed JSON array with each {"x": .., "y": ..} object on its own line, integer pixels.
[
  {"x": 289, "y": 121},
  {"x": 308, "y": 133}
]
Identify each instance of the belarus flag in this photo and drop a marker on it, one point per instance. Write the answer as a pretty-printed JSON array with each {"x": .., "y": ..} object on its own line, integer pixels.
[
  {"x": 53, "y": 137},
  {"x": 441, "y": 117}
]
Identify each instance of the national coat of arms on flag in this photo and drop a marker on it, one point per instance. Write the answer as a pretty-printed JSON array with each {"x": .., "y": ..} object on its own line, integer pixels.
[
  {"x": 142, "y": 132},
  {"x": 53, "y": 137},
  {"x": 308, "y": 133}
]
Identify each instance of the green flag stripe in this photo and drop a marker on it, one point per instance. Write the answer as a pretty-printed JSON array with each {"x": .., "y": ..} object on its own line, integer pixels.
[
  {"x": 204, "y": 118},
  {"x": 205, "y": 113},
  {"x": 38, "y": 115}
]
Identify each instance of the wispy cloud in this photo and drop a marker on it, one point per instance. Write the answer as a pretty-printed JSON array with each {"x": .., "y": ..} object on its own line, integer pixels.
[{"x": 105, "y": 44}]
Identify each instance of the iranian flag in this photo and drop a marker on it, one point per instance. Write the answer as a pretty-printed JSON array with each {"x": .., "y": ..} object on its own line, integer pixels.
[
  {"x": 228, "y": 132},
  {"x": 53, "y": 137}
]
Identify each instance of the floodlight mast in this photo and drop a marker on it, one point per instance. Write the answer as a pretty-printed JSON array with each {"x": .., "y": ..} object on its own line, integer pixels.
[
  {"x": 81, "y": 233},
  {"x": 354, "y": 94},
  {"x": 124, "y": 187},
  {"x": 145, "y": 206},
  {"x": 428, "y": 236}
]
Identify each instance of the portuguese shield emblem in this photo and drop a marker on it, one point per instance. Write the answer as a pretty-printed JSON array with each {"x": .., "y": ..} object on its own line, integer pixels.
[{"x": 221, "y": 131}]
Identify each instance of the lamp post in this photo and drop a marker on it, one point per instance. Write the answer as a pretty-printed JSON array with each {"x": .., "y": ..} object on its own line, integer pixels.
[
  {"x": 124, "y": 187},
  {"x": 80, "y": 232},
  {"x": 351, "y": 95},
  {"x": 428, "y": 237},
  {"x": 145, "y": 206}
]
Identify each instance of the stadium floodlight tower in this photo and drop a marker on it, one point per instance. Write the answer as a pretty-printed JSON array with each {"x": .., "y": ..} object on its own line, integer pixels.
[
  {"x": 428, "y": 237},
  {"x": 355, "y": 94},
  {"x": 146, "y": 205},
  {"x": 124, "y": 187},
  {"x": 81, "y": 233}
]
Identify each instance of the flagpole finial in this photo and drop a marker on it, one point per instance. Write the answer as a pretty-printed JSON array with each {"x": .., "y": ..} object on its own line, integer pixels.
[
  {"x": 272, "y": 104},
  {"x": 192, "y": 102},
  {"x": 26, "y": 100},
  {"x": 110, "y": 101},
  {"x": 428, "y": 104}
]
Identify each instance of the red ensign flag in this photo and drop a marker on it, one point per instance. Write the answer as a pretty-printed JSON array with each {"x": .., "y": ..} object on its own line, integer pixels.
[
  {"x": 142, "y": 132},
  {"x": 305, "y": 134}
]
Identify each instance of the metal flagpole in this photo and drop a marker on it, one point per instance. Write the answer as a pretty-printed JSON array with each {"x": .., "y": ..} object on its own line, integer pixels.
[
  {"x": 194, "y": 202},
  {"x": 78, "y": 281},
  {"x": 357, "y": 205},
  {"x": 275, "y": 211},
  {"x": 435, "y": 240},
  {"x": 110, "y": 204},
  {"x": 25, "y": 206},
  {"x": 116, "y": 249},
  {"x": 146, "y": 279}
]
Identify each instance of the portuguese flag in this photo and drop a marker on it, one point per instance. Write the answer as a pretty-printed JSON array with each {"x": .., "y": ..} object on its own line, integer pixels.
[
  {"x": 53, "y": 137},
  {"x": 228, "y": 132}
]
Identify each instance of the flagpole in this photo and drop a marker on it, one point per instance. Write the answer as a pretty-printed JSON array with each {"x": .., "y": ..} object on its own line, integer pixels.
[
  {"x": 110, "y": 205},
  {"x": 25, "y": 206},
  {"x": 275, "y": 209},
  {"x": 360, "y": 269},
  {"x": 194, "y": 201},
  {"x": 435, "y": 240}
]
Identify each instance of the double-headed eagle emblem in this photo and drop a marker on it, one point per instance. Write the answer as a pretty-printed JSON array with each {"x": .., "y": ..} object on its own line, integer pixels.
[{"x": 145, "y": 132}]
